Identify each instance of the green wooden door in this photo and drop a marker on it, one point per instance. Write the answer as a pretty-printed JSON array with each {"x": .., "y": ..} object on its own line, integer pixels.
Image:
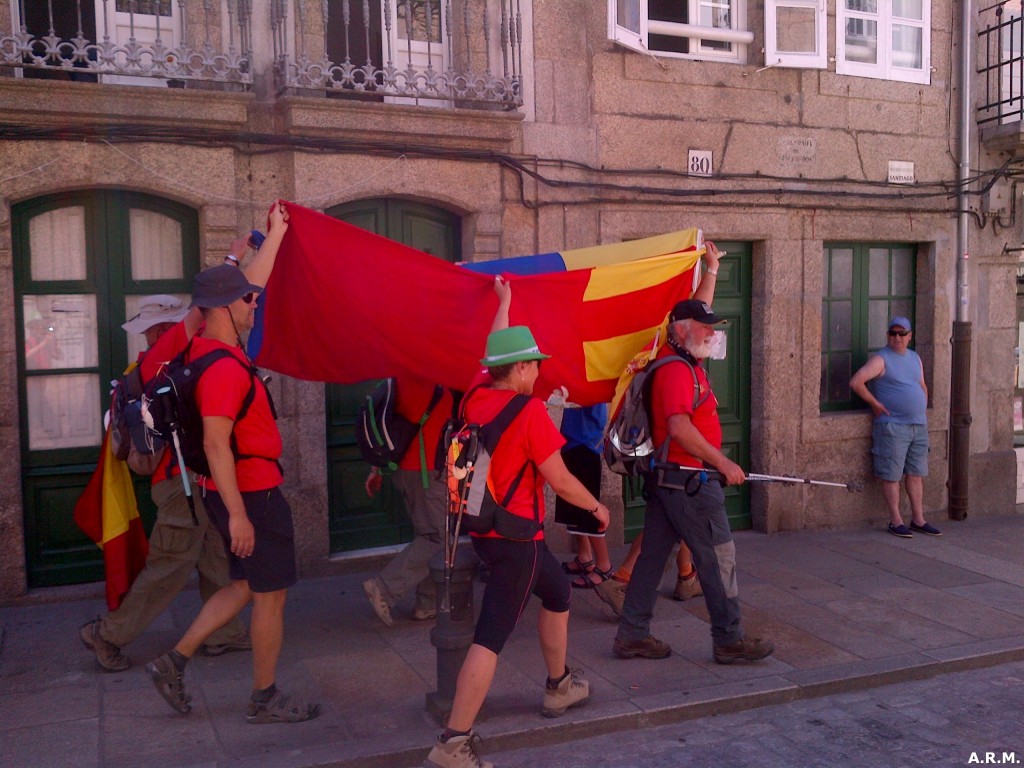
[
  {"x": 356, "y": 521},
  {"x": 82, "y": 260},
  {"x": 730, "y": 380}
]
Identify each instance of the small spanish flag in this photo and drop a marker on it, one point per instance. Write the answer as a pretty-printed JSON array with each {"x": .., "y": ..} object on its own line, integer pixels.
[{"x": 108, "y": 514}]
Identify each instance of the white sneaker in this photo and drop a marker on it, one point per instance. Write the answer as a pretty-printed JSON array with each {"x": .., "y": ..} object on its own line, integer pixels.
[
  {"x": 457, "y": 752},
  {"x": 377, "y": 602},
  {"x": 571, "y": 692}
]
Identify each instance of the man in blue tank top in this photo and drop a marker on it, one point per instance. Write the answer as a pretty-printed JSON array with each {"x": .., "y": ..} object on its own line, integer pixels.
[{"x": 891, "y": 382}]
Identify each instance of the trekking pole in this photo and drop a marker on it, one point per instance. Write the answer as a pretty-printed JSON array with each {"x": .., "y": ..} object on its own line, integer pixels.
[
  {"x": 853, "y": 487},
  {"x": 169, "y": 407}
]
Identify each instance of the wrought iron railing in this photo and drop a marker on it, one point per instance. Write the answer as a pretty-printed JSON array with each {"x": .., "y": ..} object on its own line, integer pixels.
[
  {"x": 1001, "y": 63},
  {"x": 464, "y": 52},
  {"x": 174, "y": 40}
]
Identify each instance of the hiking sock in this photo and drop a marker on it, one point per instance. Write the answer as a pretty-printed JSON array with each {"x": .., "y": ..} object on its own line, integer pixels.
[
  {"x": 179, "y": 660},
  {"x": 264, "y": 695},
  {"x": 553, "y": 683},
  {"x": 451, "y": 733}
]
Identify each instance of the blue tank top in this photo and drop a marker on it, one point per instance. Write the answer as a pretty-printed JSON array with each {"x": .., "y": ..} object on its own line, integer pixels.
[{"x": 899, "y": 388}]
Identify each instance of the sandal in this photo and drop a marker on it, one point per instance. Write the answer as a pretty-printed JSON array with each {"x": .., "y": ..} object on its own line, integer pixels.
[
  {"x": 170, "y": 683},
  {"x": 585, "y": 582},
  {"x": 577, "y": 567},
  {"x": 280, "y": 709}
]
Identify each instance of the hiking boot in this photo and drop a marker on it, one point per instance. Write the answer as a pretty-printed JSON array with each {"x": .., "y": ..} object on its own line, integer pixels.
[
  {"x": 648, "y": 648},
  {"x": 108, "y": 655},
  {"x": 571, "y": 692},
  {"x": 380, "y": 606},
  {"x": 170, "y": 683},
  {"x": 457, "y": 752},
  {"x": 747, "y": 649},
  {"x": 423, "y": 614},
  {"x": 280, "y": 709},
  {"x": 613, "y": 594},
  {"x": 219, "y": 649},
  {"x": 687, "y": 587}
]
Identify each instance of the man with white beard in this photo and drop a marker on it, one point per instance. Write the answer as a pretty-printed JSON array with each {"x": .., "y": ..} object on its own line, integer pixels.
[{"x": 686, "y": 504}]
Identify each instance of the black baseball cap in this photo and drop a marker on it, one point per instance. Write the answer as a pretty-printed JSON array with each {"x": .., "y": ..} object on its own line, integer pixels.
[
  {"x": 694, "y": 309},
  {"x": 219, "y": 286}
]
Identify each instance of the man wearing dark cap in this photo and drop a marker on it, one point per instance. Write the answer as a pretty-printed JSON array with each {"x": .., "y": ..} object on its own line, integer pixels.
[
  {"x": 684, "y": 423},
  {"x": 242, "y": 494},
  {"x": 891, "y": 382},
  {"x": 177, "y": 545}
]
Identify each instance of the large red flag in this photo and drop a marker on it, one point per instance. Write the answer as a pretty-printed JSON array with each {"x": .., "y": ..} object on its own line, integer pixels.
[{"x": 344, "y": 305}]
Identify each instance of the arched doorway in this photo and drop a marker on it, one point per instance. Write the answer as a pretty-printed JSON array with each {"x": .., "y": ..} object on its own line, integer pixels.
[
  {"x": 356, "y": 521},
  {"x": 81, "y": 262}
]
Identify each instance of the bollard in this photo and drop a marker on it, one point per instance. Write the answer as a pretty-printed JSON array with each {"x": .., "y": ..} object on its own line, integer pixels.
[{"x": 453, "y": 632}]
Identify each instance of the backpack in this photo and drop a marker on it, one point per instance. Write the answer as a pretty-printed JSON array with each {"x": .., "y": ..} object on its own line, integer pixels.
[
  {"x": 628, "y": 441},
  {"x": 383, "y": 434},
  {"x": 471, "y": 501},
  {"x": 130, "y": 440},
  {"x": 170, "y": 406}
]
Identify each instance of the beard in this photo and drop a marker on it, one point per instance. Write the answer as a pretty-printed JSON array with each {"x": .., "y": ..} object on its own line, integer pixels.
[{"x": 700, "y": 349}]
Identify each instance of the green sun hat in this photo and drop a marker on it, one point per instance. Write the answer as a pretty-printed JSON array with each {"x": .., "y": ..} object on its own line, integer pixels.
[{"x": 511, "y": 345}]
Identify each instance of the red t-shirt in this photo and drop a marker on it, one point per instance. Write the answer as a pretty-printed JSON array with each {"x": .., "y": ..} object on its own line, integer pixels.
[
  {"x": 414, "y": 395},
  {"x": 167, "y": 347},
  {"x": 531, "y": 436},
  {"x": 672, "y": 394},
  {"x": 220, "y": 391}
]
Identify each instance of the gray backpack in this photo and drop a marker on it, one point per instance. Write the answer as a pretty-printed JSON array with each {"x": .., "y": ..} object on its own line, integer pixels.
[{"x": 628, "y": 442}]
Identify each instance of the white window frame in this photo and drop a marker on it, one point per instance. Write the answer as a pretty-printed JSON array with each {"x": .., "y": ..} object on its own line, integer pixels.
[
  {"x": 885, "y": 68},
  {"x": 638, "y": 39},
  {"x": 774, "y": 57}
]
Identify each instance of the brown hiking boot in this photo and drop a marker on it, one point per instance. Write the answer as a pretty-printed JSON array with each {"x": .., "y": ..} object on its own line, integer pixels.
[
  {"x": 571, "y": 692},
  {"x": 457, "y": 752},
  {"x": 648, "y": 648},
  {"x": 747, "y": 649},
  {"x": 687, "y": 587},
  {"x": 108, "y": 655},
  {"x": 613, "y": 594}
]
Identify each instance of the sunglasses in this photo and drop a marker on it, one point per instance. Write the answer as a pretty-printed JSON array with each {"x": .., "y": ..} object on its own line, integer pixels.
[
  {"x": 249, "y": 298},
  {"x": 901, "y": 334}
]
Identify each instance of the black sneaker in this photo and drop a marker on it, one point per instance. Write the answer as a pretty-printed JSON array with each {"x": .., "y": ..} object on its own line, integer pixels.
[
  {"x": 927, "y": 528},
  {"x": 648, "y": 648}
]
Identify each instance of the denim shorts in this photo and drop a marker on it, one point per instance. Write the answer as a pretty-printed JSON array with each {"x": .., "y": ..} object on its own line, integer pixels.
[{"x": 899, "y": 449}]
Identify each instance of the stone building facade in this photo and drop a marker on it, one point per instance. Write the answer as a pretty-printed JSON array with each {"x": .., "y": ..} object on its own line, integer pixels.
[{"x": 780, "y": 144}]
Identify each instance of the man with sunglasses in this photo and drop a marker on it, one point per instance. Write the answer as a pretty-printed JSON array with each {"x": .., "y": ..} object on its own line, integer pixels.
[
  {"x": 892, "y": 383},
  {"x": 242, "y": 493}
]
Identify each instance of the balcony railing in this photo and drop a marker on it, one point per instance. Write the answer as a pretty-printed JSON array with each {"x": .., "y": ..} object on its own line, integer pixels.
[
  {"x": 1001, "y": 63},
  {"x": 459, "y": 52},
  {"x": 120, "y": 40}
]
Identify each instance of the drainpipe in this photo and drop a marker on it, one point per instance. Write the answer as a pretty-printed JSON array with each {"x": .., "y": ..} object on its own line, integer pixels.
[{"x": 960, "y": 384}]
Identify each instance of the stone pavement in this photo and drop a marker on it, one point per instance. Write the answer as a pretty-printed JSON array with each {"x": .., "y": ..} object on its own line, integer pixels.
[{"x": 847, "y": 610}]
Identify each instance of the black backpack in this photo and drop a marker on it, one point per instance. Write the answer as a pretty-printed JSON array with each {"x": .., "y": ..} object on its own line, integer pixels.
[
  {"x": 471, "y": 500},
  {"x": 383, "y": 434},
  {"x": 171, "y": 406},
  {"x": 130, "y": 440}
]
